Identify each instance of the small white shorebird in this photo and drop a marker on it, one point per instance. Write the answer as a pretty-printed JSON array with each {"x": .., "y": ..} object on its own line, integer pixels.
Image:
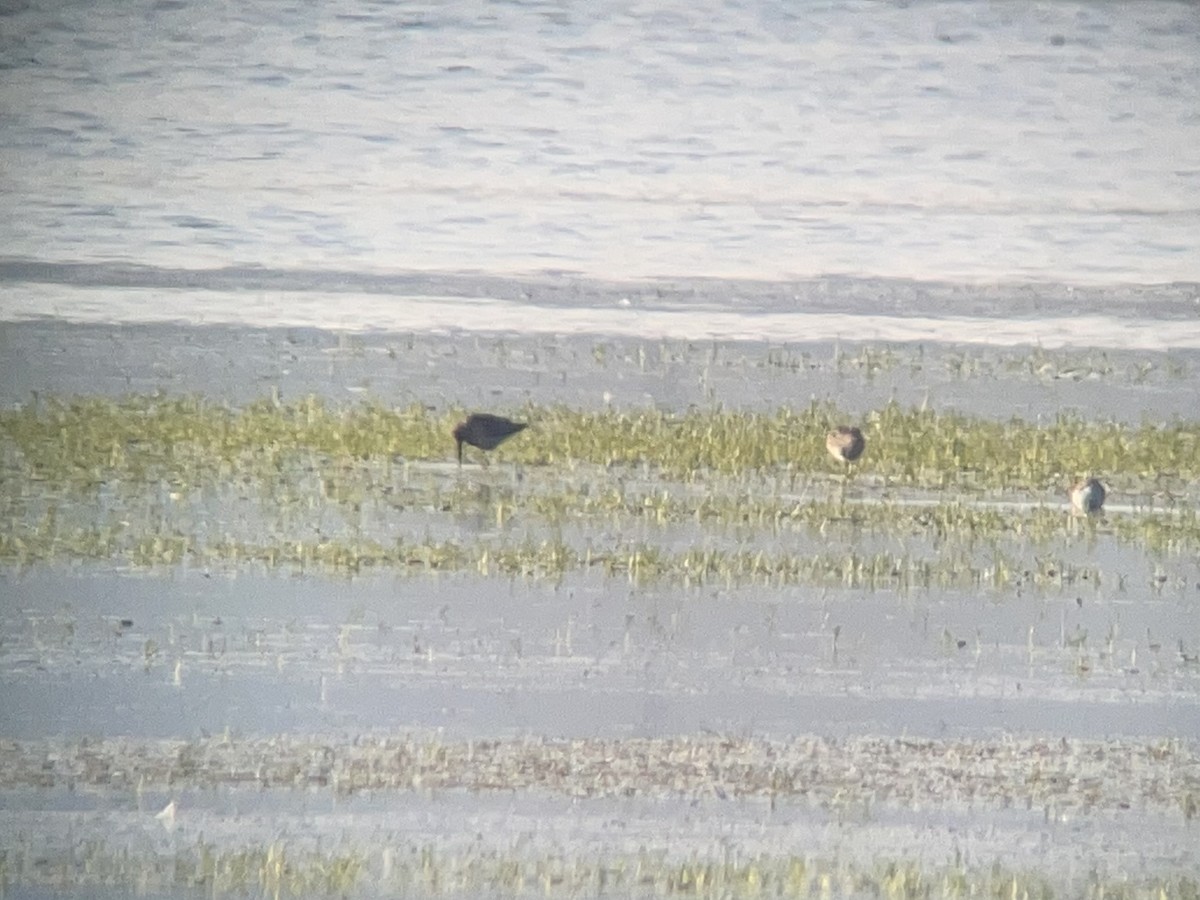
[
  {"x": 167, "y": 817},
  {"x": 1087, "y": 496},
  {"x": 845, "y": 443}
]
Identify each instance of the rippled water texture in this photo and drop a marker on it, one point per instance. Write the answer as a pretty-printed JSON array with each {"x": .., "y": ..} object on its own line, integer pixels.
[{"x": 615, "y": 139}]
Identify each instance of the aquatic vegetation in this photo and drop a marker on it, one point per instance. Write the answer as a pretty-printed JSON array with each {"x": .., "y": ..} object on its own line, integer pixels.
[
  {"x": 1024, "y": 772},
  {"x": 639, "y": 561},
  {"x": 428, "y": 871},
  {"x": 702, "y": 507},
  {"x": 91, "y": 440},
  {"x": 1070, "y": 778},
  {"x": 143, "y": 481},
  {"x": 270, "y": 871}
]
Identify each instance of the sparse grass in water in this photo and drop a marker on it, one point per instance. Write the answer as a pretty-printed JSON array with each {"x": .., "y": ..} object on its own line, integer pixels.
[
  {"x": 93, "y": 440},
  {"x": 1076, "y": 775},
  {"x": 127, "y": 481},
  {"x": 415, "y": 870},
  {"x": 638, "y": 561}
]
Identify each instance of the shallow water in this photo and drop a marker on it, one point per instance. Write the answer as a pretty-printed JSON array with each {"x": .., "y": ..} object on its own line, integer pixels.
[
  {"x": 583, "y": 653},
  {"x": 1094, "y": 640},
  {"x": 471, "y": 826},
  {"x": 477, "y": 657},
  {"x": 240, "y": 365}
]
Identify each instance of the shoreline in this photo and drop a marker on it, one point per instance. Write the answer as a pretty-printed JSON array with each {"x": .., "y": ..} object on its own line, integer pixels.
[{"x": 1159, "y": 317}]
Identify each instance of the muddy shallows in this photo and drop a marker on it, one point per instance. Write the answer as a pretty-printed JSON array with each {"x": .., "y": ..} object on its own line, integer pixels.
[
  {"x": 262, "y": 635},
  {"x": 711, "y": 817}
]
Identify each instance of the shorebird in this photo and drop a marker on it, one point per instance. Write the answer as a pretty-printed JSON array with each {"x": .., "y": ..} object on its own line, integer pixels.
[
  {"x": 845, "y": 443},
  {"x": 167, "y": 816},
  {"x": 485, "y": 431},
  {"x": 1087, "y": 497}
]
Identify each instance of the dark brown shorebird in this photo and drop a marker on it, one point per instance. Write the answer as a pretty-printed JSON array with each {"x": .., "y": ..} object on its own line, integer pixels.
[
  {"x": 1087, "y": 496},
  {"x": 845, "y": 443},
  {"x": 485, "y": 431}
]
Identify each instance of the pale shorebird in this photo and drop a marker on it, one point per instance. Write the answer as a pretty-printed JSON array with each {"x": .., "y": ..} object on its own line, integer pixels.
[
  {"x": 1087, "y": 496},
  {"x": 485, "y": 431},
  {"x": 167, "y": 816},
  {"x": 845, "y": 443}
]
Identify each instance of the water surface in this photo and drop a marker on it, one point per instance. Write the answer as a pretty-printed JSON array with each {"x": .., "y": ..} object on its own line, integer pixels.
[{"x": 947, "y": 141}]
